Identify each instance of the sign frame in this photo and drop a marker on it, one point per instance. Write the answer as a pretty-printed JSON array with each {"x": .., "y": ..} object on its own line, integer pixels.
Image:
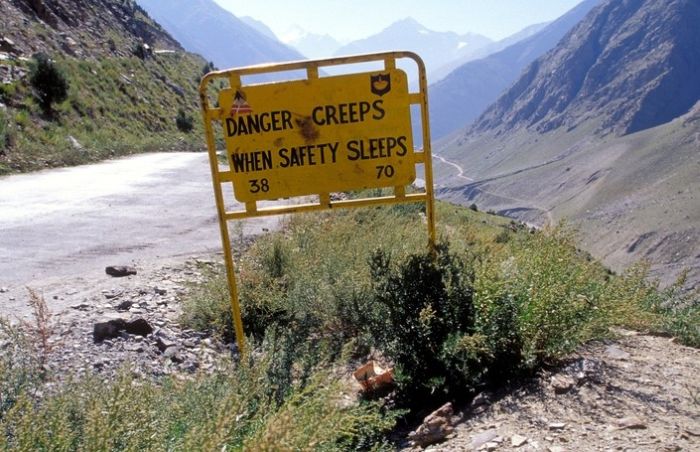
[{"x": 213, "y": 114}]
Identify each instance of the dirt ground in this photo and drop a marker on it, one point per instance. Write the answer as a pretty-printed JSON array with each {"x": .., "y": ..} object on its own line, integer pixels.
[{"x": 635, "y": 393}]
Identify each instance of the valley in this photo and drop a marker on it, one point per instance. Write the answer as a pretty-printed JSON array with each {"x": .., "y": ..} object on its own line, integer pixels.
[{"x": 558, "y": 309}]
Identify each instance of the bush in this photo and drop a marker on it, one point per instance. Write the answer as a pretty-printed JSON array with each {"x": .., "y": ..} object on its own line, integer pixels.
[
  {"x": 425, "y": 323},
  {"x": 184, "y": 122},
  {"x": 48, "y": 81}
]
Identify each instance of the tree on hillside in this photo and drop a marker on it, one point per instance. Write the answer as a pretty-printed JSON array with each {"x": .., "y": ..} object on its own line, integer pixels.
[{"x": 49, "y": 82}]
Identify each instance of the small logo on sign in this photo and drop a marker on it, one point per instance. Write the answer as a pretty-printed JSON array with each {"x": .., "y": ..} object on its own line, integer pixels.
[
  {"x": 240, "y": 105},
  {"x": 380, "y": 84}
]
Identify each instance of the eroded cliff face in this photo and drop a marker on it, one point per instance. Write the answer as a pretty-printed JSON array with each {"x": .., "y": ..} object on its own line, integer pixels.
[
  {"x": 80, "y": 28},
  {"x": 632, "y": 64}
]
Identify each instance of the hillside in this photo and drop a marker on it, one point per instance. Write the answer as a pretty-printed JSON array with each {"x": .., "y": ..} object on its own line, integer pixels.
[
  {"x": 126, "y": 81},
  {"x": 465, "y": 93},
  {"x": 203, "y": 27},
  {"x": 603, "y": 130}
]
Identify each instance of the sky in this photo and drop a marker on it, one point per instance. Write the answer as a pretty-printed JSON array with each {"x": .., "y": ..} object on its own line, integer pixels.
[{"x": 355, "y": 19}]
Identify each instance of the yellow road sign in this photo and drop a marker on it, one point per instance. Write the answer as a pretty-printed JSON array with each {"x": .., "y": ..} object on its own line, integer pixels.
[
  {"x": 313, "y": 137},
  {"x": 322, "y": 135}
]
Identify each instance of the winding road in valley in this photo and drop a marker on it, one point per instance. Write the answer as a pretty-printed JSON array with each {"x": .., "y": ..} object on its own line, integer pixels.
[
  {"x": 64, "y": 226},
  {"x": 524, "y": 202}
]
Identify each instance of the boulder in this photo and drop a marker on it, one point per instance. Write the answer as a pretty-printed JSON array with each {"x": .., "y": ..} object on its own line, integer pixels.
[
  {"x": 435, "y": 427},
  {"x": 139, "y": 327},
  {"x": 119, "y": 271},
  {"x": 107, "y": 330}
]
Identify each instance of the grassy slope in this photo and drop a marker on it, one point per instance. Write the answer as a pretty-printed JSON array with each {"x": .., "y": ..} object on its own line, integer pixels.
[{"x": 117, "y": 104}]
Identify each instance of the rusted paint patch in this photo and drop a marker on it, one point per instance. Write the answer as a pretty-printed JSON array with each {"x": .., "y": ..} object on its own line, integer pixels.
[{"x": 307, "y": 129}]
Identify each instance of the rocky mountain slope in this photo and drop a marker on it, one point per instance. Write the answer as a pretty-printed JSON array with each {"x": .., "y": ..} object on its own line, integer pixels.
[
  {"x": 631, "y": 66},
  {"x": 82, "y": 29},
  {"x": 604, "y": 131},
  {"x": 203, "y": 27},
  {"x": 126, "y": 81},
  {"x": 465, "y": 93}
]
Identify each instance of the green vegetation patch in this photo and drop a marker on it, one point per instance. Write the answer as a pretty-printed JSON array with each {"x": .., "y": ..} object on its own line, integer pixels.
[
  {"x": 111, "y": 107},
  {"x": 496, "y": 301}
]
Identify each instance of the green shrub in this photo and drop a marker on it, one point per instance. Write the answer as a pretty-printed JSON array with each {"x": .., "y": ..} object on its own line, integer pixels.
[
  {"x": 48, "y": 81},
  {"x": 184, "y": 122},
  {"x": 425, "y": 322},
  {"x": 485, "y": 310}
]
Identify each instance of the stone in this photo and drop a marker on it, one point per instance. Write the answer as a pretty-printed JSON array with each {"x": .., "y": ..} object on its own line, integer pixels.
[
  {"x": 630, "y": 422},
  {"x": 159, "y": 291},
  {"x": 615, "y": 352},
  {"x": 124, "y": 305},
  {"x": 556, "y": 449},
  {"x": 557, "y": 425},
  {"x": 173, "y": 353},
  {"x": 562, "y": 383},
  {"x": 435, "y": 427},
  {"x": 163, "y": 343},
  {"x": 75, "y": 144},
  {"x": 483, "y": 438},
  {"x": 107, "y": 330},
  {"x": 4, "y": 290},
  {"x": 692, "y": 432},
  {"x": 517, "y": 440},
  {"x": 139, "y": 327},
  {"x": 481, "y": 399},
  {"x": 119, "y": 271},
  {"x": 190, "y": 366}
]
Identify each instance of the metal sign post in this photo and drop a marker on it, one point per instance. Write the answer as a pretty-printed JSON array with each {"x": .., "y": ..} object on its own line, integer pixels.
[{"x": 313, "y": 137}]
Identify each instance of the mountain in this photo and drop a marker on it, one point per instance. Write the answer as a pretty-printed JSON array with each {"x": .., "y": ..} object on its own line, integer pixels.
[
  {"x": 260, "y": 26},
  {"x": 464, "y": 94},
  {"x": 604, "y": 131},
  {"x": 203, "y": 27},
  {"x": 130, "y": 85},
  {"x": 436, "y": 48},
  {"x": 630, "y": 79},
  {"x": 309, "y": 44},
  {"x": 486, "y": 50}
]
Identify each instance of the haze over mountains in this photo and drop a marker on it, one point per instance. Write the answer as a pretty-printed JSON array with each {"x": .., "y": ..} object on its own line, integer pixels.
[
  {"x": 603, "y": 130},
  {"x": 466, "y": 92},
  {"x": 436, "y": 48},
  {"x": 311, "y": 45},
  {"x": 203, "y": 27}
]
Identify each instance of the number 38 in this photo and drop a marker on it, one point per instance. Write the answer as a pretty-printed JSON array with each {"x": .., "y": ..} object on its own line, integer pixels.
[{"x": 259, "y": 185}]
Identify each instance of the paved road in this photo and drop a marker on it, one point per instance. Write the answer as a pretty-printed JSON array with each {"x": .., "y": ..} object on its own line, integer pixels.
[{"x": 73, "y": 222}]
